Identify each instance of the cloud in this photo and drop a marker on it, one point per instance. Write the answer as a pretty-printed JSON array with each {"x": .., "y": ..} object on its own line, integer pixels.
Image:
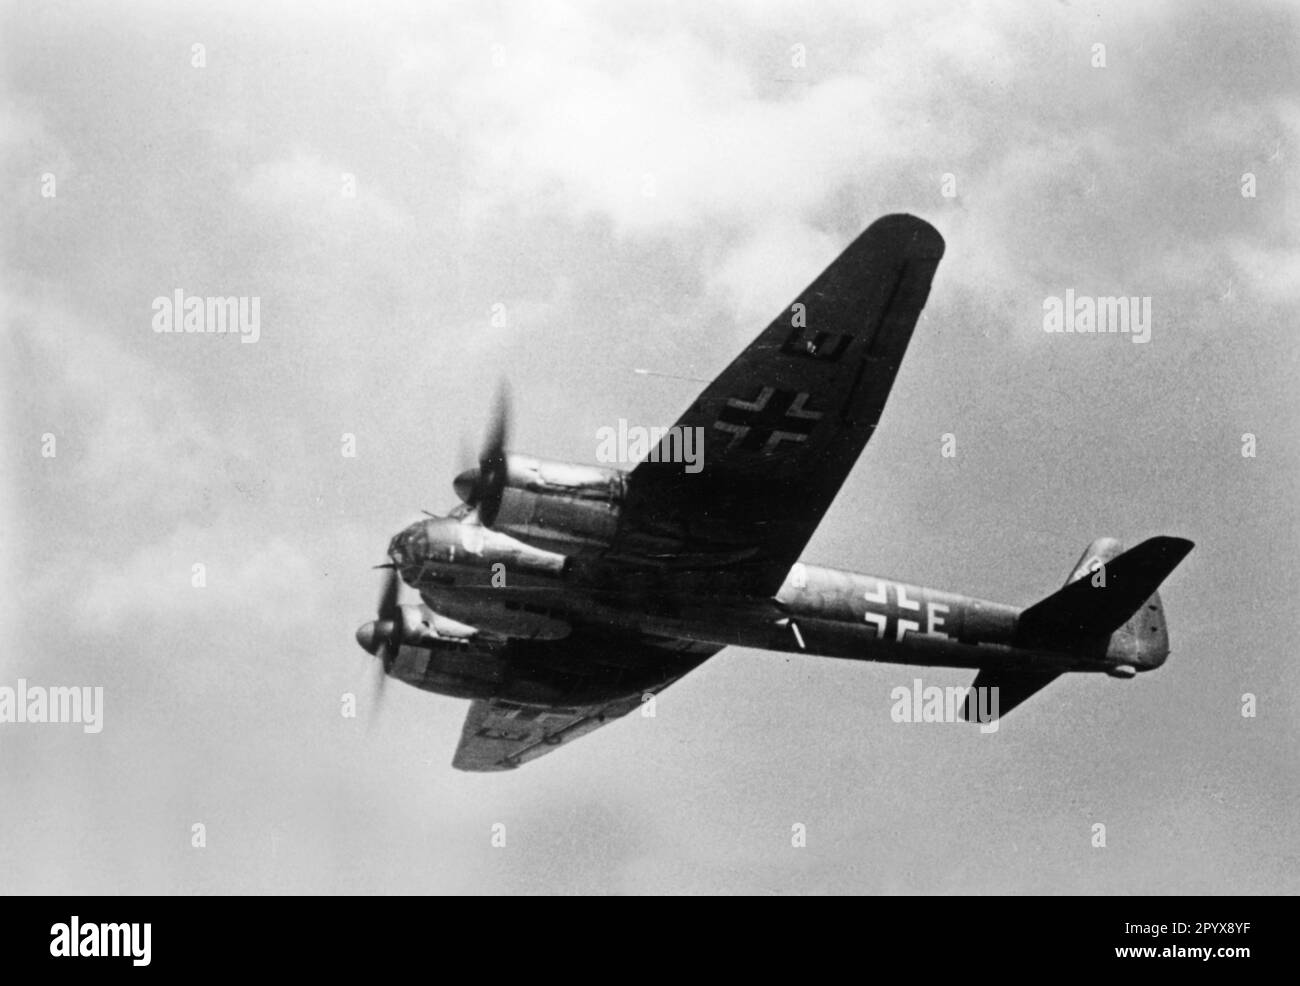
[
  {"x": 132, "y": 439},
  {"x": 1273, "y": 274},
  {"x": 200, "y": 577},
  {"x": 785, "y": 248},
  {"x": 326, "y": 199},
  {"x": 711, "y": 134},
  {"x": 640, "y": 184}
]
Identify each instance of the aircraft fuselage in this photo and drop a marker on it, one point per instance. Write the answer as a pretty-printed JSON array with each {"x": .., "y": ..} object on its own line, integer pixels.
[{"x": 495, "y": 583}]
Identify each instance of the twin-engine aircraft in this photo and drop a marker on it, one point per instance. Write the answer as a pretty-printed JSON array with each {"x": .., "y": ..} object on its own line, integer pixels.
[{"x": 559, "y": 597}]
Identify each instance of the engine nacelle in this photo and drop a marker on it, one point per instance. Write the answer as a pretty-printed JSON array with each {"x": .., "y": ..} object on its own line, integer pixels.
[
  {"x": 499, "y": 613},
  {"x": 425, "y": 628},
  {"x": 414, "y": 627},
  {"x": 564, "y": 507}
]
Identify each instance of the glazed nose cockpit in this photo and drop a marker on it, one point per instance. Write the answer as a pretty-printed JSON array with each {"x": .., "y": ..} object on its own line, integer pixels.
[
  {"x": 438, "y": 540},
  {"x": 422, "y": 551},
  {"x": 409, "y": 545}
]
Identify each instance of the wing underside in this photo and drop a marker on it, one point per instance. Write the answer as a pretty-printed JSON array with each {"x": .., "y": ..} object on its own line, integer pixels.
[
  {"x": 515, "y": 727},
  {"x": 781, "y": 428},
  {"x": 500, "y": 734},
  {"x": 783, "y": 424}
]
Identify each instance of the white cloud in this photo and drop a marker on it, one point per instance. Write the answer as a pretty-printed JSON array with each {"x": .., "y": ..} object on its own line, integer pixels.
[
  {"x": 769, "y": 268},
  {"x": 312, "y": 192},
  {"x": 273, "y": 585},
  {"x": 480, "y": 181},
  {"x": 131, "y": 435},
  {"x": 1272, "y": 273}
]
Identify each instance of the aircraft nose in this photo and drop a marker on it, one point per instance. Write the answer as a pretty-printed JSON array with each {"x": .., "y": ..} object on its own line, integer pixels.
[
  {"x": 366, "y": 637},
  {"x": 399, "y": 549},
  {"x": 465, "y": 484},
  {"x": 412, "y": 545}
]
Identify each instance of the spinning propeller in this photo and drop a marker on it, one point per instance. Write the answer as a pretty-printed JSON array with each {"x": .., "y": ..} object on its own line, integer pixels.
[
  {"x": 481, "y": 487},
  {"x": 383, "y": 636}
]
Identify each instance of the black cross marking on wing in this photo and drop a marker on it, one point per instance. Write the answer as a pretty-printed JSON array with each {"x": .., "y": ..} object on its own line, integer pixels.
[{"x": 766, "y": 420}]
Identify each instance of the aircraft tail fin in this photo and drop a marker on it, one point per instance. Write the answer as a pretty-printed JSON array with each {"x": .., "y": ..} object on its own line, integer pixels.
[
  {"x": 1109, "y": 606},
  {"x": 1109, "y": 590}
]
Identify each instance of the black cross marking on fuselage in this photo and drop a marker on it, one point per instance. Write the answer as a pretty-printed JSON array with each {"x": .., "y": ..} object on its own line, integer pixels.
[{"x": 771, "y": 417}]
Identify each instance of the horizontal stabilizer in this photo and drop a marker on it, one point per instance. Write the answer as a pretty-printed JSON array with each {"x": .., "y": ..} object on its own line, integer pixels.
[
  {"x": 1100, "y": 602},
  {"x": 1013, "y": 687}
]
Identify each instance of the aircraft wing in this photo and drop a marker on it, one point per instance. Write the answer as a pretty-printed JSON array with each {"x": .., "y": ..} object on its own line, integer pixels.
[
  {"x": 500, "y": 733},
  {"x": 783, "y": 425}
]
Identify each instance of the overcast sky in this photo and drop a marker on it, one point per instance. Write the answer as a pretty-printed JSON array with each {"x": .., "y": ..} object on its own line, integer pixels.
[{"x": 637, "y": 185}]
